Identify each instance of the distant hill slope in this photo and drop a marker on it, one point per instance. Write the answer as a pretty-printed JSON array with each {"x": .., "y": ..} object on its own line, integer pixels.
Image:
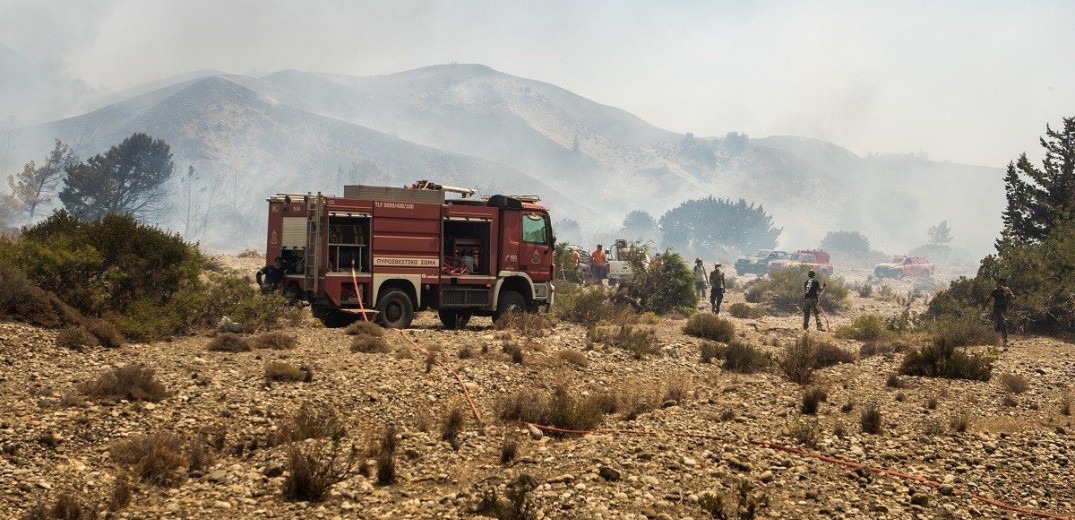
[
  {"x": 30, "y": 93},
  {"x": 472, "y": 125}
]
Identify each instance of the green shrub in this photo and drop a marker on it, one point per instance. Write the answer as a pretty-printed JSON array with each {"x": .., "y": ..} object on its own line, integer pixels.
[
  {"x": 939, "y": 359},
  {"x": 869, "y": 327},
  {"x": 964, "y": 333},
  {"x": 582, "y": 305},
  {"x": 744, "y": 311},
  {"x": 710, "y": 326},
  {"x": 797, "y": 360},
  {"x": 826, "y": 354},
  {"x": 664, "y": 290},
  {"x": 783, "y": 291}
]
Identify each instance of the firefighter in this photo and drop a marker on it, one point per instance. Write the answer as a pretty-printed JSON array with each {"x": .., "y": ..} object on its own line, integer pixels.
[
  {"x": 270, "y": 276},
  {"x": 812, "y": 290},
  {"x": 599, "y": 263},
  {"x": 716, "y": 288},
  {"x": 699, "y": 277},
  {"x": 574, "y": 261},
  {"x": 1001, "y": 297}
]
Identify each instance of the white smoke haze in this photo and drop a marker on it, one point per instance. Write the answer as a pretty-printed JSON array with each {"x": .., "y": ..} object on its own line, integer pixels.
[{"x": 964, "y": 82}]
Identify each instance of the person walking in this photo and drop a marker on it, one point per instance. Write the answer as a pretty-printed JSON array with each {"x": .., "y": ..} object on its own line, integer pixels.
[
  {"x": 716, "y": 288},
  {"x": 699, "y": 277},
  {"x": 1001, "y": 297},
  {"x": 812, "y": 290}
]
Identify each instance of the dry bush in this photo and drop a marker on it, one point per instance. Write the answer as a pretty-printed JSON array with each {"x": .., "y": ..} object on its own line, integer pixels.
[
  {"x": 275, "y": 341},
  {"x": 314, "y": 469},
  {"x": 121, "y": 494},
  {"x": 24, "y": 302},
  {"x": 509, "y": 449},
  {"x": 882, "y": 348},
  {"x": 638, "y": 341},
  {"x": 933, "y": 427},
  {"x": 931, "y": 403},
  {"x": 574, "y": 357},
  {"x": 870, "y": 419},
  {"x": 806, "y": 433},
  {"x": 516, "y": 504},
  {"x": 561, "y": 409},
  {"x": 312, "y": 421},
  {"x": 132, "y": 382},
  {"x": 940, "y": 359},
  {"x": 68, "y": 506},
  {"x": 827, "y": 354},
  {"x": 466, "y": 352},
  {"x": 156, "y": 458},
  {"x": 585, "y": 306},
  {"x": 797, "y": 360},
  {"x": 362, "y": 327},
  {"x": 744, "y": 358},
  {"x": 386, "y": 457},
  {"x": 711, "y": 351},
  {"x": 278, "y": 371},
  {"x": 106, "y": 333},
  {"x": 812, "y": 397},
  {"x": 1065, "y": 404},
  {"x": 893, "y": 381},
  {"x": 452, "y": 426},
  {"x": 75, "y": 338},
  {"x": 710, "y": 326},
  {"x": 528, "y": 324},
  {"x": 960, "y": 423},
  {"x": 368, "y": 344},
  {"x": 865, "y": 290},
  {"x": 745, "y": 311},
  {"x": 965, "y": 333},
  {"x": 1015, "y": 384},
  {"x": 229, "y": 342}
]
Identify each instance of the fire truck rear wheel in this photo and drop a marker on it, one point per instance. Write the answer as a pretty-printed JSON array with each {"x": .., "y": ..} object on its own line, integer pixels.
[
  {"x": 395, "y": 309},
  {"x": 510, "y": 301},
  {"x": 453, "y": 319}
]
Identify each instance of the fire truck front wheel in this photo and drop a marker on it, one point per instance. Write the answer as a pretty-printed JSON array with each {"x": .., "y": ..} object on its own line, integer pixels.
[
  {"x": 509, "y": 301},
  {"x": 395, "y": 309}
]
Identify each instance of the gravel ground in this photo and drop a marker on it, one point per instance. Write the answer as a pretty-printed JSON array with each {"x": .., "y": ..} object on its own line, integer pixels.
[{"x": 1018, "y": 448}]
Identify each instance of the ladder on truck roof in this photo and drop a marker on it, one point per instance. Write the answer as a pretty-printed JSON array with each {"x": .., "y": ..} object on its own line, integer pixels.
[{"x": 315, "y": 212}]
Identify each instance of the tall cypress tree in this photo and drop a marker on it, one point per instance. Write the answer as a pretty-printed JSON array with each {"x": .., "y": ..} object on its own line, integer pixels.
[{"x": 1039, "y": 198}]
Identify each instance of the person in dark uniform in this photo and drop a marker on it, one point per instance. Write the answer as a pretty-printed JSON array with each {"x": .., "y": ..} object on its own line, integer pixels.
[
  {"x": 716, "y": 288},
  {"x": 812, "y": 290},
  {"x": 270, "y": 276},
  {"x": 1001, "y": 297}
]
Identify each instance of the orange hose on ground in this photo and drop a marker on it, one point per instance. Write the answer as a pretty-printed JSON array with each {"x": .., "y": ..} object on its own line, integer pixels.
[
  {"x": 361, "y": 306},
  {"x": 824, "y": 458},
  {"x": 466, "y": 392}
]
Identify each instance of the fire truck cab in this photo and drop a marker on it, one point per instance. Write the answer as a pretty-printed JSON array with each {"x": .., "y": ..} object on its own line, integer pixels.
[{"x": 389, "y": 252}]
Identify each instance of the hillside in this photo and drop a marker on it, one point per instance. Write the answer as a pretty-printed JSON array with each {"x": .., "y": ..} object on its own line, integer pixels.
[
  {"x": 469, "y": 124},
  {"x": 31, "y": 93}
]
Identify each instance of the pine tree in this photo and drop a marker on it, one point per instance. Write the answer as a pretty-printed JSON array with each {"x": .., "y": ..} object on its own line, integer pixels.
[
  {"x": 36, "y": 185},
  {"x": 941, "y": 234},
  {"x": 1039, "y": 198},
  {"x": 129, "y": 178}
]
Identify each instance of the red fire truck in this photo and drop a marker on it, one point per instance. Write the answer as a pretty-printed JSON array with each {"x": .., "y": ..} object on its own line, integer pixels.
[{"x": 391, "y": 251}]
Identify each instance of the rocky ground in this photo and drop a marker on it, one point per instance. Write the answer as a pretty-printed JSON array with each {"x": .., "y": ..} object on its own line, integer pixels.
[{"x": 1018, "y": 447}]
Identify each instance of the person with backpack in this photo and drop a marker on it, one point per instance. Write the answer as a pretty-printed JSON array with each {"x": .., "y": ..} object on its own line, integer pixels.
[
  {"x": 699, "y": 277},
  {"x": 812, "y": 290},
  {"x": 716, "y": 288}
]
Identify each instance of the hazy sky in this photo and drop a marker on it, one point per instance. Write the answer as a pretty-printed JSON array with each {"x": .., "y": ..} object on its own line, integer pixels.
[{"x": 972, "y": 81}]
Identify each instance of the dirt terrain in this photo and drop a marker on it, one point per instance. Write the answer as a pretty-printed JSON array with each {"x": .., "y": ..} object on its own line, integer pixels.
[{"x": 1018, "y": 448}]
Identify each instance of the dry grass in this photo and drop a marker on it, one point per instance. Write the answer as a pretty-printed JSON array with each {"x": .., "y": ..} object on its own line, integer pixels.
[
  {"x": 369, "y": 344},
  {"x": 744, "y": 358},
  {"x": 797, "y": 360},
  {"x": 893, "y": 381},
  {"x": 827, "y": 354},
  {"x": 509, "y": 449},
  {"x": 278, "y": 371},
  {"x": 229, "y": 342},
  {"x": 527, "y": 324},
  {"x": 638, "y": 341},
  {"x": 132, "y": 382},
  {"x": 466, "y": 352},
  {"x": 275, "y": 341},
  {"x": 710, "y": 326},
  {"x": 386, "y": 457},
  {"x": 806, "y": 433},
  {"x": 121, "y": 494},
  {"x": 562, "y": 408},
  {"x": 452, "y": 425},
  {"x": 156, "y": 458},
  {"x": 515, "y": 505},
  {"x": 574, "y": 357},
  {"x": 1014, "y": 383},
  {"x": 882, "y": 347},
  {"x": 746, "y": 311},
  {"x": 871, "y": 419},
  {"x": 941, "y": 359},
  {"x": 106, "y": 333},
  {"x": 76, "y": 338},
  {"x": 312, "y": 421},
  {"x": 960, "y": 423},
  {"x": 367, "y": 328},
  {"x": 68, "y": 506}
]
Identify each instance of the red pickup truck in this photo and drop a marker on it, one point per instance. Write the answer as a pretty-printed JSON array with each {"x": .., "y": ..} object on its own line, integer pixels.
[
  {"x": 815, "y": 259},
  {"x": 901, "y": 266}
]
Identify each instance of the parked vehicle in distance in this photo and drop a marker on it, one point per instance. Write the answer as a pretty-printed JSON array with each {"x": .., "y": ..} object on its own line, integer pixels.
[
  {"x": 619, "y": 260},
  {"x": 902, "y": 265},
  {"x": 759, "y": 263},
  {"x": 817, "y": 260}
]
